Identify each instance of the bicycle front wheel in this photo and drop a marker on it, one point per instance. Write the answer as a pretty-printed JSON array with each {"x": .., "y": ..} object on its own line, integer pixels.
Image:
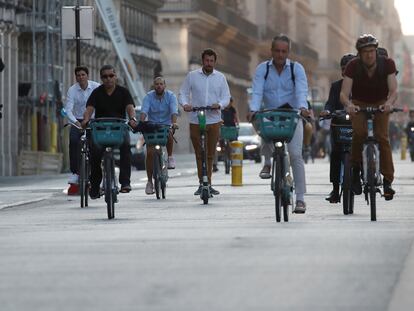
[
  {"x": 347, "y": 193},
  {"x": 83, "y": 182},
  {"x": 156, "y": 171},
  {"x": 109, "y": 199},
  {"x": 372, "y": 189},
  {"x": 227, "y": 158},
  {"x": 277, "y": 185}
]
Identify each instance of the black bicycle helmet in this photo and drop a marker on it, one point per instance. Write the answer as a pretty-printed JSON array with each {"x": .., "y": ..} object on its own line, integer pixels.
[
  {"x": 346, "y": 59},
  {"x": 366, "y": 40}
]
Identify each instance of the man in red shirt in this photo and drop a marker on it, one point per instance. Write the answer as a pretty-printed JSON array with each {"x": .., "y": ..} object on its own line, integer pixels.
[{"x": 371, "y": 81}]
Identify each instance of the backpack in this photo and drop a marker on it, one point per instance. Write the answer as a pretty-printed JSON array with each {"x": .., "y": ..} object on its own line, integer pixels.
[
  {"x": 292, "y": 71},
  {"x": 380, "y": 68}
]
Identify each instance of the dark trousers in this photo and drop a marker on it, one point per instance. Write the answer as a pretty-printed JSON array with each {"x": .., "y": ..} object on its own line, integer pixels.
[
  {"x": 125, "y": 164},
  {"x": 74, "y": 149},
  {"x": 335, "y": 168}
]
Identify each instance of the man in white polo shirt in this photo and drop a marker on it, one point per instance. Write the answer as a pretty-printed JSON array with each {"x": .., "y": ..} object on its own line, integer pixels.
[
  {"x": 206, "y": 87},
  {"x": 75, "y": 106}
]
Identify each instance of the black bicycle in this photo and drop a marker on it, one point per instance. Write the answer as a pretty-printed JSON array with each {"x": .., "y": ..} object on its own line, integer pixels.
[
  {"x": 342, "y": 135},
  {"x": 158, "y": 138},
  {"x": 278, "y": 126},
  {"x": 371, "y": 161},
  {"x": 109, "y": 133},
  {"x": 227, "y": 134}
]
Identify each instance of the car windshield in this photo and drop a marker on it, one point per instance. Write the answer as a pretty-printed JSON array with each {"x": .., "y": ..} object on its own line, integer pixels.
[{"x": 246, "y": 130}]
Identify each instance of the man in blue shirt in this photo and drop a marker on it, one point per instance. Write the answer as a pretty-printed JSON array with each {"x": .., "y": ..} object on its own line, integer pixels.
[
  {"x": 159, "y": 107},
  {"x": 279, "y": 83}
]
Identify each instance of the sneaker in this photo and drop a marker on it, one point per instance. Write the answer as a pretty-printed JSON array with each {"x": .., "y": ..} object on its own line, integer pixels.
[
  {"x": 171, "y": 163},
  {"x": 198, "y": 192},
  {"x": 126, "y": 189},
  {"x": 73, "y": 179},
  {"x": 149, "y": 188},
  {"x": 388, "y": 191},
  {"x": 94, "y": 193},
  {"x": 265, "y": 172},
  {"x": 356, "y": 181},
  {"x": 214, "y": 191},
  {"x": 215, "y": 168},
  {"x": 300, "y": 207},
  {"x": 333, "y": 197}
]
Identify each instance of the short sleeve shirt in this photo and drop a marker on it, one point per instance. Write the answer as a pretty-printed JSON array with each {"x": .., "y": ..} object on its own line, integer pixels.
[
  {"x": 110, "y": 106},
  {"x": 369, "y": 89}
]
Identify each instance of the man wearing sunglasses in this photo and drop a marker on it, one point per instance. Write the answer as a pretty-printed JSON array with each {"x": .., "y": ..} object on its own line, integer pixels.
[{"x": 110, "y": 101}]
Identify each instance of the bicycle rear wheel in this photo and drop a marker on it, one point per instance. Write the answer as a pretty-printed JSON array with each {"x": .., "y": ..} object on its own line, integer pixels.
[
  {"x": 156, "y": 171},
  {"x": 277, "y": 185},
  {"x": 372, "y": 189},
  {"x": 83, "y": 181},
  {"x": 108, "y": 187},
  {"x": 227, "y": 157}
]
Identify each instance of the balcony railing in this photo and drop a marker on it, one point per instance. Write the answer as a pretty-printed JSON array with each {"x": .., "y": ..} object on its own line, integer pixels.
[{"x": 222, "y": 13}]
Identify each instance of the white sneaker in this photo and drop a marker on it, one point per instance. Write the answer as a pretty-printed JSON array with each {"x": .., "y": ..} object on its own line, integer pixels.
[
  {"x": 300, "y": 207},
  {"x": 149, "y": 189},
  {"x": 171, "y": 163},
  {"x": 73, "y": 179}
]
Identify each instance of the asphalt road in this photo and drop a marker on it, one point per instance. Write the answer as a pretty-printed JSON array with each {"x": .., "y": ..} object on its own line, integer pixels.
[{"x": 177, "y": 254}]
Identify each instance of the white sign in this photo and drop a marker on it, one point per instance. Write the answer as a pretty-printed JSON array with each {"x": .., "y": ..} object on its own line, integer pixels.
[{"x": 86, "y": 19}]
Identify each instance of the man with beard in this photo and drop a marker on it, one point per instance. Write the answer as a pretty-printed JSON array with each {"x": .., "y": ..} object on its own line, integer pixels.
[
  {"x": 160, "y": 108},
  {"x": 205, "y": 87},
  {"x": 371, "y": 86}
]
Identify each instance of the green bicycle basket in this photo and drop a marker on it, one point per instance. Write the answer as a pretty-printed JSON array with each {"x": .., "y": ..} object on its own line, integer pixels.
[
  {"x": 229, "y": 132},
  {"x": 279, "y": 125},
  {"x": 108, "y": 133},
  {"x": 158, "y": 137}
]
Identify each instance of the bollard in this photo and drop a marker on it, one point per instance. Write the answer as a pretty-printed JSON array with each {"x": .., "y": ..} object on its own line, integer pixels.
[
  {"x": 236, "y": 163},
  {"x": 403, "y": 147}
]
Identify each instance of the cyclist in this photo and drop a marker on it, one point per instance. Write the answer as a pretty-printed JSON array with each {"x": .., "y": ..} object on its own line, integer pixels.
[
  {"x": 231, "y": 119},
  {"x": 208, "y": 88},
  {"x": 75, "y": 106},
  {"x": 372, "y": 81},
  {"x": 333, "y": 104},
  {"x": 110, "y": 101},
  {"x": 159, "y": 107},
  {"x": 282, "y": 83}
]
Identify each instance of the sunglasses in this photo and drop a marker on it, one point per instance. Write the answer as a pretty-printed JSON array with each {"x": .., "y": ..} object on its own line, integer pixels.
[{"x": 107, "y": 76}]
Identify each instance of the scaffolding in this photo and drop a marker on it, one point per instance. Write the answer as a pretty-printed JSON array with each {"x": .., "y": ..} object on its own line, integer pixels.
[{"x": 42, "y": 70}]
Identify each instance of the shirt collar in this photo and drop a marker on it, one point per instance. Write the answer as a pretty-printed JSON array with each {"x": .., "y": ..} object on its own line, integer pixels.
[
  {"x": 88, "y": 87},
  {"x": 287, "y": 63},
  {"x": 201, "y": 71}
]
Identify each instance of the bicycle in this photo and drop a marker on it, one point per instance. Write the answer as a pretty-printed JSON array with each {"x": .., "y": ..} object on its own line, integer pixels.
[
  {"x": 370, "y": 161},
  {"x": 109, "y": 133},
  {"x": 278, "y": 126},
  {"x": 84, "y": 167},
  {"x": 201, "y": 115},
  {"x": 342, "y": 135},
  {"x": 228, "y": 134},
  {"x": 159, "y": 139}
]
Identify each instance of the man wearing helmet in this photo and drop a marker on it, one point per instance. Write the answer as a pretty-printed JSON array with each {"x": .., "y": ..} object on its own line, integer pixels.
[
  {"x": 333, "y": 104},
  {"x": 370, "y": 87}
]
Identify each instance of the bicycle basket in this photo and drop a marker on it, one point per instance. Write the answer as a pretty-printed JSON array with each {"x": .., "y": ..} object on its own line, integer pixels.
[
  {"x": 229, "y": 132},
  {"x": 158, "y": 137},
  {"x": 272, "y": 125},
  {"x": 342, "y": 134},
  {"x": 108, "y": 133}
]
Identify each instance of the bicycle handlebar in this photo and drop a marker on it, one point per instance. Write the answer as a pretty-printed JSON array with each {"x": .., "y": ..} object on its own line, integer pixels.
[
  {"x": 376, "y": 109},
  {"x": 195, "y": 109}
]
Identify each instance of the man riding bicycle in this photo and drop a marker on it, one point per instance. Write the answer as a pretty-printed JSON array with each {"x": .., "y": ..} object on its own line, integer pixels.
[
  {"x": 110, "y": 101},
  {"x": 331, "y": 105},
  {"x": 282, "y": 83},
  {"x": 372, "y": 81},
  {"x": 75, "y": 106},
  {"x": 160, "y": 108},
  {"x": 208, "y": 88}
]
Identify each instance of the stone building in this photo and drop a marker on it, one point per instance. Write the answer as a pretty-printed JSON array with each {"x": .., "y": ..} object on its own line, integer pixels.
[{"x": 39, "y": 67}]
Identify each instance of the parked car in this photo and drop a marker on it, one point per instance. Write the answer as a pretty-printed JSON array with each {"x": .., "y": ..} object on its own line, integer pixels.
[
  {"x": 251, "y": 142},
  {"x": 137, "y": 151}
]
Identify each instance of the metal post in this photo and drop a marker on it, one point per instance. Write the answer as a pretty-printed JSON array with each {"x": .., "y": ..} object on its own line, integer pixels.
[{"x": 77, "y": 30}]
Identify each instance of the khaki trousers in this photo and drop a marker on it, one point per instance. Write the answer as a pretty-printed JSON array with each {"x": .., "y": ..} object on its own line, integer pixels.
[
  {"x": 360, "y": 132},
  {"x": 212, "y": 136}
]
